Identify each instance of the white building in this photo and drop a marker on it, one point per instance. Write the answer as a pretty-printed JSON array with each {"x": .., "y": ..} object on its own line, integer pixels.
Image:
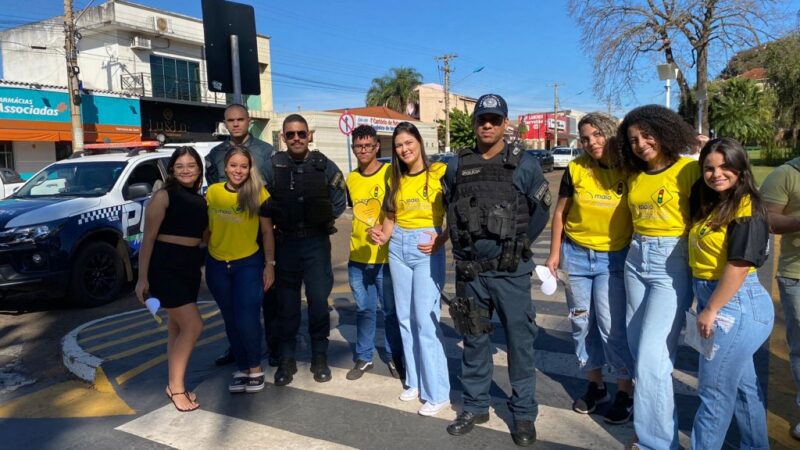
[{"x": 126, "y": 47}]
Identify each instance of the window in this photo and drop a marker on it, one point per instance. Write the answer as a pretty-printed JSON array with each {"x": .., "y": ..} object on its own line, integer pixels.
[
  {"x": 63, "y": 150},
  {"x": 6, "y": 155},
  {"x": 145, "y": 173},
  {"x": 175, "y": 79}
]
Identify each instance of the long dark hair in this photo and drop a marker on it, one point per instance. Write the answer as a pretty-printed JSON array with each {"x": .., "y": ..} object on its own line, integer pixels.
[
  {"x": 249, "y": 192},
  {"x": 399, "y": 168},
  {"x": 171, "y": 181},
  {"x": 673, "y": 135},
  {"x": 607, "y": 126},
  {"x": 725, "y": 207}
]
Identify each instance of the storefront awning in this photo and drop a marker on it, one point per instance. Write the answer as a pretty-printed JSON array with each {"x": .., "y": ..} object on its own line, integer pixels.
[{"x": 17, "y": 130}]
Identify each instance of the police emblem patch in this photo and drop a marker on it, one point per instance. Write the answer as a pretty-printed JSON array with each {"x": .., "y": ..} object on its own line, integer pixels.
[{"x": 489, "y": 102}]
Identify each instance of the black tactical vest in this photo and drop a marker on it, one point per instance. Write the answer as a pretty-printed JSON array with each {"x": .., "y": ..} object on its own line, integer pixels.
[
  {"x": 300, "y": 194},
  {"x": 485, "y": 204}
]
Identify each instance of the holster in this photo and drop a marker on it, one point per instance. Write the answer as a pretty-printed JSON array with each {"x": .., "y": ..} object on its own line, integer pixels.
[{"x": 469, "y": 318}]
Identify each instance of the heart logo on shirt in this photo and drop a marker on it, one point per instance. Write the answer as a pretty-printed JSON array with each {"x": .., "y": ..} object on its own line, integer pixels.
[{"x": 368, "y": 211}]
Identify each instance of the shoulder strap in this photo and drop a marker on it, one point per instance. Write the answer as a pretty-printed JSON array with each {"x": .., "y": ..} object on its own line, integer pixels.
[{"x": 318, "y": 160}]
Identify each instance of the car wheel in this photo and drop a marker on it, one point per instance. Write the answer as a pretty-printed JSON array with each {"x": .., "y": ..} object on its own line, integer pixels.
[{"x": 98, "y": 275}]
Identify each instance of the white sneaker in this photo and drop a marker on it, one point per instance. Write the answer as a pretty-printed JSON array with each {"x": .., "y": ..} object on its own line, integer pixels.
[
  {"x": 409, "y": 394},
  {"x": 431, "y": 409},
  {"x": 796, "y": 431}
]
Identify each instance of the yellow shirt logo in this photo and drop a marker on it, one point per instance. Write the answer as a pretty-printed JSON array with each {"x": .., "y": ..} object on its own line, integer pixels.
[{"x": 661, "y": 197}]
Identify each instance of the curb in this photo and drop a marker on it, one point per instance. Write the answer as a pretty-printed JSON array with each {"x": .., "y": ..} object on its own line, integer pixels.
[{"x": 80, "y": 363}]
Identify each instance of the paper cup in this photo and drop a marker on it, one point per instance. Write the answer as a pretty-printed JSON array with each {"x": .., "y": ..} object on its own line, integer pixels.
[
  {"x": 549, "y": 282},
  {"x": 153, "y": 304}
]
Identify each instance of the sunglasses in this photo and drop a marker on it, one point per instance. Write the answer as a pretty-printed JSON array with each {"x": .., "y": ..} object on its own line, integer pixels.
[
  {"x": 291, "y": 134},
  {"x": 494, "y": 119}
]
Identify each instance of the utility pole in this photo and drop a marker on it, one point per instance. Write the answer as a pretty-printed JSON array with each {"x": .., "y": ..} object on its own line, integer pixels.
[
  {"x": 446, "y": 58},
  {"x": 555, "y": 115},
  {"x": 73, "y": 83}
]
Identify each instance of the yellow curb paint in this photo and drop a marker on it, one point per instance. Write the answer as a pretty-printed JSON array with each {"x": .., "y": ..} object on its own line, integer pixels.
[
  {"x": 127, "y": 376},
  {"x": 139, "y": 335},
  {"x": 69, "y": 399},
  {"x": 780, "y": 386},
  {"x": 150, "y": 345},
  {"x": 146, "y": 320},
  {"x": 139, "y": 315}
]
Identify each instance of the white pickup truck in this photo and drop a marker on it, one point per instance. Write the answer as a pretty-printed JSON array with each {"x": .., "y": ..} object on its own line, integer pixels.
[{"x": 10, "y": 181}]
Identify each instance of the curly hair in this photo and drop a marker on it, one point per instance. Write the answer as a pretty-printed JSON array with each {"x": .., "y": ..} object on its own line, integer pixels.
[
  {"x": 607, "y": 126},
  {"x": 672, "y": 134},
  {"x": 711, "y": 201}
]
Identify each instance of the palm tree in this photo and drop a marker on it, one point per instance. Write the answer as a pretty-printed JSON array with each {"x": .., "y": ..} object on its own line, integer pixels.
[
  {"x": 743, "y": 110},
  {"x": 396, "y": 89}
]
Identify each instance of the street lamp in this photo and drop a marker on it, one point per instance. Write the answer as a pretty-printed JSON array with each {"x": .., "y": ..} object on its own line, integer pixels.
[{"x": 667, "y": 72}]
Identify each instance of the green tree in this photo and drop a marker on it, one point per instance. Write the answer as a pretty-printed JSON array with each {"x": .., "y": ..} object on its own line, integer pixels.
[
  {"x": 782, "y": 62},
  {"x": 461, "y": 133},
  {"x": 742, "y": 109},
  {"x": 395, "y": 90}
]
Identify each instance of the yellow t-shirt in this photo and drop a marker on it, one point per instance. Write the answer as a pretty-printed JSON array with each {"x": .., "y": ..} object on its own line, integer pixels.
[
  {"x": 234, "y": 232},
  {"x": 598, "y": 217},
  {"x": 366, "y": 194},
  {"x": 659, "y": 202},
  {"x": 745, "y": 238},
  {"x": 421, "y": 205}
]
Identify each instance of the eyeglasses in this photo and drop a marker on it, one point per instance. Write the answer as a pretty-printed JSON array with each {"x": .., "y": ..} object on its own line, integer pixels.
[
  {"x": 291, "y": 134},
  {"x": 364, "y": 148},
  {"x": 494, "y": 119}
]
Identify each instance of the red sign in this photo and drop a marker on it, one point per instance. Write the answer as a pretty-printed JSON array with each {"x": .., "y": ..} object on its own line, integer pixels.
[
  {"x": 540, "y": 125},
  {"x": 347, "y": 123}
]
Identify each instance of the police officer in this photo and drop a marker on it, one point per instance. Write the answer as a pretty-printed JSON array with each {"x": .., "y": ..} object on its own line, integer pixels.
[
  {"x": 237, "y": 122},
  {"x": 307, "y": 194},
  {"x": 498, "y": 202}
]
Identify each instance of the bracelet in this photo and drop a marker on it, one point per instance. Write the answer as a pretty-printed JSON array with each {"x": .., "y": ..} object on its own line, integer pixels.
[{"x": 269, "y": 262}]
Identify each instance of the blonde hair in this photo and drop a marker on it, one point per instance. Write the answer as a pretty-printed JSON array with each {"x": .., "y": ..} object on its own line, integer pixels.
[{"x": 248, "y": 193}]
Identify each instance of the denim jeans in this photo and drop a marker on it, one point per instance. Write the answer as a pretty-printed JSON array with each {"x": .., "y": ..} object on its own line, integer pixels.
[
  {"x": 417, "y": 280},
  {"x": 595, "y": 290},
  {"x": 790, "y": 300},
  {"x": 727, "y": 383},
  {"x": 237, "y": 287},
  {"x": 371, "y": 283},
  {"x": 659, "y": 287}
]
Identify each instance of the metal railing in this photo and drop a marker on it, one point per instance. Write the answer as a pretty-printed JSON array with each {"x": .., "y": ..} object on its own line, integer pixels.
[{"x": 143, "y": 84}]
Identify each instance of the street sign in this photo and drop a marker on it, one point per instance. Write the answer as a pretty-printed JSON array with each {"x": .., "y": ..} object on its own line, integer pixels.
[
  {"x": 221, "y": 19},
  {"x": 347, "y": 123}
]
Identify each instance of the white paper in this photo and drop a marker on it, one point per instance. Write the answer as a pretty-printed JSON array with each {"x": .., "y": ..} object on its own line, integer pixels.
[
  {"x": 549, "y": 282},
  {"x": 692, "y": 338},
  {"x": 153, "y": 304}
]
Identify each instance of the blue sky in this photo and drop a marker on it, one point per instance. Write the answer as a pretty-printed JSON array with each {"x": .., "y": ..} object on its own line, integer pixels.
[{"x": 325, "y": 53}]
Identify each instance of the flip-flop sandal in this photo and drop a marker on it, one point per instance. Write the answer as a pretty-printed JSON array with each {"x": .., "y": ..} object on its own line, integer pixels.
[
  {"x": 172, "y": 395},
  {"x": 192, "y": 395}
]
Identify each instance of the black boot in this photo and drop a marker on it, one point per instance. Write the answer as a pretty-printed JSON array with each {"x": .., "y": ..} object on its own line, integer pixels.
[
  {"x": 524, "y": 433},
  {"x": 465, "y": 422},
  {"x": 225, "y": 358},
  {"x": 286, "y": 369},
  {"x": 320, "y": 369}
]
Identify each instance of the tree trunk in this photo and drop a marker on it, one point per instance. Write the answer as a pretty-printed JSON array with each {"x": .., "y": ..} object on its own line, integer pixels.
[{"x": 702, "y": 88}]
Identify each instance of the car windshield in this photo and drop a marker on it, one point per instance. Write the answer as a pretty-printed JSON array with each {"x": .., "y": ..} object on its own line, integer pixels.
[
  {"x": 73, "y": 180},
  {"x": 562, "y": 151}
]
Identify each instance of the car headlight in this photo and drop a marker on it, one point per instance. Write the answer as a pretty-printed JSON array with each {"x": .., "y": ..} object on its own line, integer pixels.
[{"x": 26, "y": 235}]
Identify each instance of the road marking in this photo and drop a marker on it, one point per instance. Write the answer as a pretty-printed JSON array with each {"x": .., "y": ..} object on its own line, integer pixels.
[
  {"x": 150, "y": 345},
  {"x": 139, "y": 315},
  {"x": 205, "y": 429},
  {"x": 131, "y": 337},
  {"x": 780, "y": 393},
  {"x": 69, "y": 399},
  {"x": 149, "y": 364}
]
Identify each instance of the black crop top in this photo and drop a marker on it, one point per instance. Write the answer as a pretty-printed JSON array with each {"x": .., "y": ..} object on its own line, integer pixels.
[{"x": 187, "y": 214}]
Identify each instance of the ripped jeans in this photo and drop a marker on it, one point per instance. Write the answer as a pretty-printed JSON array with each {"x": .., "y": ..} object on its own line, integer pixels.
[
  {"x": 595, "y": 290},
  {"x": 727, "y": 384}
]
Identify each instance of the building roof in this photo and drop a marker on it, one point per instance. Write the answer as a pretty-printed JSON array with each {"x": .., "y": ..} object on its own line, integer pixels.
[
  {"x": 756, "y": 74},
  {"x": 439, "y": 87},
  {"x": 376, "y": 111}
]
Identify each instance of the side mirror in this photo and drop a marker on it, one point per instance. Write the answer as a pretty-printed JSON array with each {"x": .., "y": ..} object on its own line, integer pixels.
[{"x": 138, "y": 190}]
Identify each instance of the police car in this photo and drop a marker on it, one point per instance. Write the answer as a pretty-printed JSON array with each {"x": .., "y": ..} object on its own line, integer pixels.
[{"x": 75, "y": 227}]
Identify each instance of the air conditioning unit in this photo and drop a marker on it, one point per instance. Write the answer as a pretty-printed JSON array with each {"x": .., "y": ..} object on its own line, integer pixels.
[
  {"x": 141, "y": 43},
  {"x": 162, "y": 25}
]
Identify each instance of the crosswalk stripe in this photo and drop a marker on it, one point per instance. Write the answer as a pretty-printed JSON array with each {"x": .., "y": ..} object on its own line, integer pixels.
[
  {"x": 139, "y": 315},
  {"x": 548, "y": 362},
  {"x": 206, "y": 429},
  {"x": 149, "y": 345},
  {"x": 131, "y": 337}
]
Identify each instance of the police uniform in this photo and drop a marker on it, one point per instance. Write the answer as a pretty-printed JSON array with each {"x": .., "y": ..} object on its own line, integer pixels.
[
  {"x": 261, "y": 152},
  {"x": 496, "y": 208},
  {"x": 306, "y": 198}
]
